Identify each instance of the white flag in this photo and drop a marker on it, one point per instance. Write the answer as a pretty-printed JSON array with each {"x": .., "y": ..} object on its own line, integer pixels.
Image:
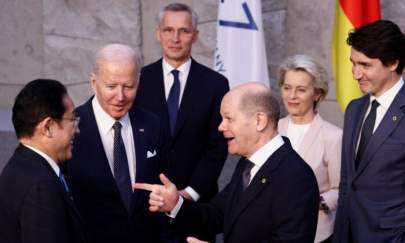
[{"x": 240, "y": 54}]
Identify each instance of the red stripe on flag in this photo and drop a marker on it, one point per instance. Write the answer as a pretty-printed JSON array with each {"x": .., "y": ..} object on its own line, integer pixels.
[{"x": 361, "y": 12}]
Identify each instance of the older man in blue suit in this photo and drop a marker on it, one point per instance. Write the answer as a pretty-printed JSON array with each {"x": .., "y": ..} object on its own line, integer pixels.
[
  {"x": 371, "y": 205},
  {"x": 118, "y": 146}
]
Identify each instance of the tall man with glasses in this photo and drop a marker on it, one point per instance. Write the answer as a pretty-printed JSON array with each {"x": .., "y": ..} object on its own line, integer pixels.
[
  {"x": 117, "y": 147},
  {"x": 35, "y": 201},
  {"x": 186, "y": 95}
]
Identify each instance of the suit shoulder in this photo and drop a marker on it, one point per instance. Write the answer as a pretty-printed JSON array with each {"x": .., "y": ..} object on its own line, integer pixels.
[
  {"x": 215, "y": 76},
  {"x": 152, "y": 66},
  {"x": 145, "y": 115}
]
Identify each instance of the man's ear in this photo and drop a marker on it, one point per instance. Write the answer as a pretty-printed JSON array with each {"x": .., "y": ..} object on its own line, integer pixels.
[
  {"x": 196, "y": 36},
  {"x": 45, "y": 127},
  {"x": 262, "y": 121}
]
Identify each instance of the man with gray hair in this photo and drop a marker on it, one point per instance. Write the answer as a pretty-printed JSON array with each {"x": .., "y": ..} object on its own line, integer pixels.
[
  {"x": 186, "y": 95},
  {"x": 117, "y": 147},
  {"x": 273, "y": 194}
]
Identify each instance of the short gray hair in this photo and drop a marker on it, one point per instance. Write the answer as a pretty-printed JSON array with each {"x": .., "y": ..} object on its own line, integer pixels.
[
  {"x": 260, "y": 100},
  {"x": 179, "y": 7},
  {"x": 117, "y": 50},
  {"x": 309, "y": 65}
]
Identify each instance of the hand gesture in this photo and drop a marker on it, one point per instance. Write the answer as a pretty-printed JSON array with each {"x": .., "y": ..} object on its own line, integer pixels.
[
  {"x": 195, "y": 240},
  {"x": 163, "y": 198}
]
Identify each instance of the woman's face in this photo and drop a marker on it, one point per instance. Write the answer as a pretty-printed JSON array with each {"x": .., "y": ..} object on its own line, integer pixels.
[{"x": 299, "y": 94}]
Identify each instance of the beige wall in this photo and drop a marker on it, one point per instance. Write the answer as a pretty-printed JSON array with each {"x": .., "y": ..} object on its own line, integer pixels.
[{"x": 57, "y": 39}]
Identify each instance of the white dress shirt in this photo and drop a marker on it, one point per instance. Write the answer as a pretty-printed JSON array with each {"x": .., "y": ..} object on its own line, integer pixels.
[
  {"x": 385, "y": 101},
  {"x": 50, "y": 161},
  {"x": 105, "y": 127},
  {"x": 184, "y": 70},
  {"x": 259, "y": 157}
]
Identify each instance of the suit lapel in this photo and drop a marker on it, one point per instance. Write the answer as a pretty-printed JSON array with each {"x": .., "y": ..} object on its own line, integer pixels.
[
  {"x": 389, "y": 122},
  {"x": 138, "y": 131},
  {"x": 91, "y": 136},
  {"x": 353, "y": 129},
  {"x": 40, "y": 161},
  {"x": 259, "y": 182}
]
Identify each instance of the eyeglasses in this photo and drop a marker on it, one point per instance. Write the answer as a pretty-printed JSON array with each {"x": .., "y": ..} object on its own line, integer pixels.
[{"x": 76, "y": 120}]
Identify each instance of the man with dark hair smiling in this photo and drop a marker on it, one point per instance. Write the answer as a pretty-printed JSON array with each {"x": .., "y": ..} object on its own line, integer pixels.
[
  {"x": 371, "y": 205},
  {"x": 35, "y": 205}
]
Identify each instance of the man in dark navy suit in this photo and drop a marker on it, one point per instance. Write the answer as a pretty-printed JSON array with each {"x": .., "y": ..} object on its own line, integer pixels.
[
  {"x": 371, "y": 205},
  {"x": 118, "y": 146},
  {"x": 186, "y": 96},
  {"x": 35, "y": 204},
  {"x": 273, "y": 194}
]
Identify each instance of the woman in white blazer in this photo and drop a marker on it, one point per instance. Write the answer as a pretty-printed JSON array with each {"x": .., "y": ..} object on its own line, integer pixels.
[{"x": 303, "y": 85}]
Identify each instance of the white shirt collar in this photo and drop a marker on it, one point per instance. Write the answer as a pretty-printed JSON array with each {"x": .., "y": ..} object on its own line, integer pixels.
[
  {"x": 262, "y": 154},
  {"x": 104, "y": 120},
  {"x": 50, "y": 161},
  {"x": 388, "y": 96},
  {"x": 184, "y": 68}
]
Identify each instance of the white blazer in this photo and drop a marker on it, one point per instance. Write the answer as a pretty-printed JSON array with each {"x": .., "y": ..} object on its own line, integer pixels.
[{"x": 321, "y": 149}]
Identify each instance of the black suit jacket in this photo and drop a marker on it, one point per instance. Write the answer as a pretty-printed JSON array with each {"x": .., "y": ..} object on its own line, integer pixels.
[
  {"x": 94, "y": 187},
  {"x": 34, "y": 206},
  {"x": 195, "y": 154},
  {"x": 279, "y": 205}
]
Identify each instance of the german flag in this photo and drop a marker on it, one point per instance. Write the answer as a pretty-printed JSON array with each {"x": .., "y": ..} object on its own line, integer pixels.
[{"x": 350, "y": 14}]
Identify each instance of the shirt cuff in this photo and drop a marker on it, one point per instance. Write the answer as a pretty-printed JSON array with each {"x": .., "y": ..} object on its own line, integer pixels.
[
  {"x": 193, "y": 194},
  {"x": 176, "y": 208}
]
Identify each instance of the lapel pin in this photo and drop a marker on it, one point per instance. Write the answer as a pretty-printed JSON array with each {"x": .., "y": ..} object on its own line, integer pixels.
[
  {"x": 394, "y": 118},
  {"x": 141, "y": 130},
  {"x": 263, "y": 180}
]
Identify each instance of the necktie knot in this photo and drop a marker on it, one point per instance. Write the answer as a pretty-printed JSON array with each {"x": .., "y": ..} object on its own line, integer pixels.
[
  {"x": 246, "y": 173},
  {"x": 117, "y": 127},
  {"x": 175, "y": 73},
  {"x": 374, "y": 105}
]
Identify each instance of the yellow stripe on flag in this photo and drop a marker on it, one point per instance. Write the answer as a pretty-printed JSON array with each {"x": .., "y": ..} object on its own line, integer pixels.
[{"x": 346, "y": 87}]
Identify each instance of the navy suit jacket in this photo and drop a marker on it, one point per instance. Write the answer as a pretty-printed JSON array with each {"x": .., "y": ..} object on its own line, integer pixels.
[
  {"x": 94, "y": 187},
  {"x": 34, "y": 206},
  {"x": 195, "y": 154},
  {"x": 279, "y": 205},
  {"x": 372, "y": 198}
]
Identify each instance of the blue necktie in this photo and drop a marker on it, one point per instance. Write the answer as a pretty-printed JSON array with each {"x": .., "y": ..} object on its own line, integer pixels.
[
  {"x": 63, "y": 181},
  {"x": 121, "y": 170},
  {"x": 173, "y": 100},
  {"x": 366, "y": 132}
]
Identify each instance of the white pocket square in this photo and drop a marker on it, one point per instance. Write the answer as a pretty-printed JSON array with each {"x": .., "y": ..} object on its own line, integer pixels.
[{"x": 150, "y": 154}]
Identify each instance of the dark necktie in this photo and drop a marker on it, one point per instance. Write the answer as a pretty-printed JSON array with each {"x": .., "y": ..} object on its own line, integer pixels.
[
  {"x": 173, "y": 100},
  {"x": 121, "y": 170},
  {"x": 246, "y": 173},
  {"x": 366, "y": 132}
]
